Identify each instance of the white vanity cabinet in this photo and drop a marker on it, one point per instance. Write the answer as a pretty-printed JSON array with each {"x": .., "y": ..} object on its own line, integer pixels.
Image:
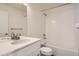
[{"x": 29, "y": 50}]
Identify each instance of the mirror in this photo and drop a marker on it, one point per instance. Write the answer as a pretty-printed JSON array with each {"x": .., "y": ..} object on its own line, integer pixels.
[
  {"x": 13, "y": 18},
  {"x": 3, "y": 22}
]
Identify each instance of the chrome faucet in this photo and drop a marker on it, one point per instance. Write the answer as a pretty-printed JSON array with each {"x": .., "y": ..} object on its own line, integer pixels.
[{"x": 15, "y": 36}]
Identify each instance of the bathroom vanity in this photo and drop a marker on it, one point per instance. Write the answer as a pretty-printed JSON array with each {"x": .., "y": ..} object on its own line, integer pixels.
[
  {"x": 13, "y": 19},
  {"x": 26, "y": 46}
]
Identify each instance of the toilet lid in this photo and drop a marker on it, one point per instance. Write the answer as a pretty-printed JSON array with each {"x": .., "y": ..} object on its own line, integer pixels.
[{"x": 46, "y": 49}]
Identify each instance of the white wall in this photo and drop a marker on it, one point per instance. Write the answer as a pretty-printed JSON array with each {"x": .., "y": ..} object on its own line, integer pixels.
[
  {"x": 16, "y": 18},
  {"x": 76, "y": 21},
  {"x": 60, "y": 30},
  {"x": 35, "y": 21}
]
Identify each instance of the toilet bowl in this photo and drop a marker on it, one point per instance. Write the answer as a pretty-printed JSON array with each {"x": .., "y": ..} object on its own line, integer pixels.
[{"x": 46, "y": 51}]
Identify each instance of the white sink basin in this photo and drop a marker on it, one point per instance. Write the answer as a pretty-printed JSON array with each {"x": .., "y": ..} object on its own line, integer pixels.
[
  {"x": 20, "y": 41},
  {"x": 5, "y": 39},
  {"x": 14, "y": 42}
]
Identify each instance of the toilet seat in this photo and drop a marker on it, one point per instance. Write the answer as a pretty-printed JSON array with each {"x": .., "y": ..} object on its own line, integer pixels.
[{"x": 46, "y": 51}]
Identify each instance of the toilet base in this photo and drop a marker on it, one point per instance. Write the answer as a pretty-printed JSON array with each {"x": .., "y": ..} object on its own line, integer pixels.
[
  {"x": 46, "y": 51},
  {"x": 45, "y": 55}
]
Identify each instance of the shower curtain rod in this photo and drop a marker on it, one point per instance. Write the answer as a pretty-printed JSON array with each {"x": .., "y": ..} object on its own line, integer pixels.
[{"x": 56, "y": 7}]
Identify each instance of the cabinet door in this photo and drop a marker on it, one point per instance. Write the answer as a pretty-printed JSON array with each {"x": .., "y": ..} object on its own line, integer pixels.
[
  {"x": 12, "y": 54},
  {"x": 29, "y": 50},
  {"x": 36, "y": 53}
]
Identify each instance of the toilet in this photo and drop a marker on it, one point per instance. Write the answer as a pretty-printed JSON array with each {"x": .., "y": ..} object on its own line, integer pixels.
[{"x": 46, "y": 51}]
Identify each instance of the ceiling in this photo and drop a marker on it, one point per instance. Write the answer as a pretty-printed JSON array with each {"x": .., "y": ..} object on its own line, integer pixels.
[
  {"x": 44, "y": 6},
  {"x": 17, "y": 5},
  {"x": 39, "y": 6}
]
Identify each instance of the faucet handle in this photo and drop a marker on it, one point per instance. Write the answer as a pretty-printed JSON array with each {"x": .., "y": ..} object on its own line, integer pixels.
[
  {"x": 18, "y": 35},
  {"x": 6, "y": 33}
]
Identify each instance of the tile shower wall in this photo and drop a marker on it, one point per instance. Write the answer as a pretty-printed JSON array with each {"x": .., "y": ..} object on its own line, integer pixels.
[{"x": 62, "y": 35}]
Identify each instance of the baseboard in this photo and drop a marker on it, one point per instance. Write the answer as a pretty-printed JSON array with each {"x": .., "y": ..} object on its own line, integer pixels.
[{"x": 57, "y": 51}]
